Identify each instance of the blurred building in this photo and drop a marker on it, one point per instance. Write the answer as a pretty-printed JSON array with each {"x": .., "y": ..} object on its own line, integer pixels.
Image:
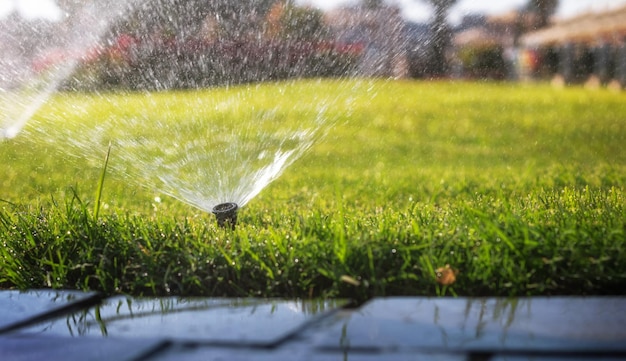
[{"x": 587, "y": 48}]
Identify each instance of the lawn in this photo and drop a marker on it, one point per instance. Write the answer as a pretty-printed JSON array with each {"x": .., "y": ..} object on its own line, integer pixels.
[{"x": 410, "y": 188}]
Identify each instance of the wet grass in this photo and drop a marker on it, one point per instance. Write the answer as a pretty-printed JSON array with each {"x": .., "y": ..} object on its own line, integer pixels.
[{"x": 520, "y": 189}]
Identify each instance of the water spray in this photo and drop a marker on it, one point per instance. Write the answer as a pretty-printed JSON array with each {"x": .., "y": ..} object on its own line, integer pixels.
[{"x": 226, "y": 214}]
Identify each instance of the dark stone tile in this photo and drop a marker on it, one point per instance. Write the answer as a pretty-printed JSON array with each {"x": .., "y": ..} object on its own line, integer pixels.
[
  {"x": 38, "y": 348},
  {"x": 209, "y": 353},
  {"x": 389, "y": 356},
  {"x": 552, "y": 324},
  {"x": 215, "y": 321},
  {"x": 18, "y": 308},
  {"x": 299, "y": 353},
  {"x": 556, "y": 358}
]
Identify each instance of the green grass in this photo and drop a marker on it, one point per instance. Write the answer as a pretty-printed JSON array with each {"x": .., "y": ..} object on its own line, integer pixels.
[{"x": 521, "y": 188}]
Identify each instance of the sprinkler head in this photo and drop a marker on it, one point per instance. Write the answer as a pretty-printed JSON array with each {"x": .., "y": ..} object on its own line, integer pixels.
[{"x": 226, "y": 214}]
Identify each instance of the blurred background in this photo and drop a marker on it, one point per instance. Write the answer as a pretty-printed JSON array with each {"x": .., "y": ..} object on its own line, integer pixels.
[{"x": 182, "y": 44}]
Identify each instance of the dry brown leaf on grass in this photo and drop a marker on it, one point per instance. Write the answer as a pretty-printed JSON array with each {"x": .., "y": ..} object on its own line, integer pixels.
[{"x": 446, "y": 275}]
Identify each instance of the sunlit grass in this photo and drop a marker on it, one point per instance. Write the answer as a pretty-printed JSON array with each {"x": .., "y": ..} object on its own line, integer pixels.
[{"x": 520, "y": 188}]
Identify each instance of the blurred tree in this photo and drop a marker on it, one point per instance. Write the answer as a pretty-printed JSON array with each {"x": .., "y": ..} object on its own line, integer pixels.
[
  {"x": 440, "y": 34},
  {"x": 296, "y": 23},
  {"x": 534, "y": 15},
  {"x": 238, "y": 16},
  {"x": 372, "y": 4},
  {"x": 183, "y": 17},
  {"x": 542, "y": 11}
]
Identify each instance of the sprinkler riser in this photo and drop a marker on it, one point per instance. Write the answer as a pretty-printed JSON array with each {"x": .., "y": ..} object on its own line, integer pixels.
[{"x": 226, "y": 214}]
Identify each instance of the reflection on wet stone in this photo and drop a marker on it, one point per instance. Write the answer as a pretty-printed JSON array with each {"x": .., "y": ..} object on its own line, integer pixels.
[
  {"x": 557, "y": 358},
  {"x": 294, "y": 354},
  {"x": 56, "y": 348},
  {"x": 229, "y": 321},
  {"x": 47, "y": 324},
  {"x": 18, "y": 308},
  {"x": 544, "y": 324}
]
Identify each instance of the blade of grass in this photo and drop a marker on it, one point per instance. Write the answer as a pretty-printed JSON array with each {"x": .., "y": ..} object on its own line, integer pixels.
[{"x": 96, "y": 210}]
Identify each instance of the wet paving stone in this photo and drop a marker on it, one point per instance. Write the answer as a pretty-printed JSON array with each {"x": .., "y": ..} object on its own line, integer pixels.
[
  {"x": 299, "y": 347},
  {"x": 18, "y": 308},
  {"x": 552, "y": 325},
  {"x": 61, "y": 325},
  {"x": 210, "y": 353},
  {"x": 387, "y": 356},
  {"x": 37, "y": 348},
  {"x": 557, "y": 358},
  {"x": 301, "y": 353},
  {"x": 238, "y": 322}
]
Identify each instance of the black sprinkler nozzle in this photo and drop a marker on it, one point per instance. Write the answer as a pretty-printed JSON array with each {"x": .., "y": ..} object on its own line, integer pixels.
[{"x": 226, "y": 214}]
